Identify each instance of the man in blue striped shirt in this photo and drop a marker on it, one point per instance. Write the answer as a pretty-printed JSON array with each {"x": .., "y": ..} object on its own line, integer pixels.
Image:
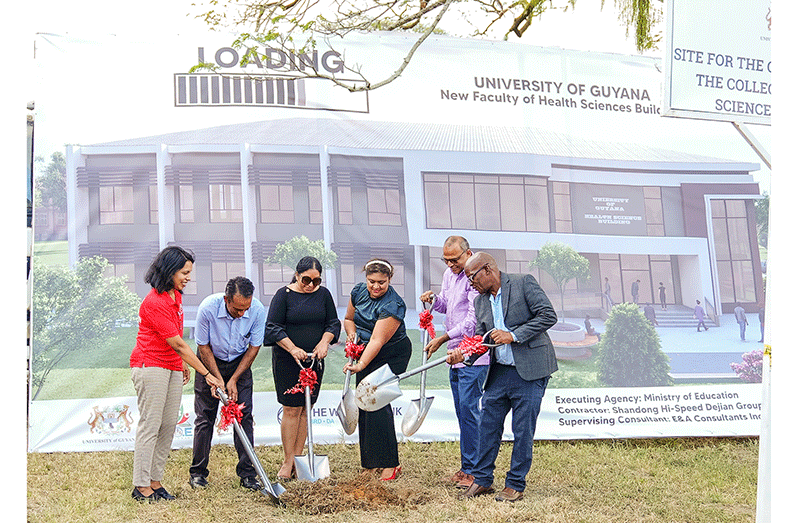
[{"x": 229, "y": 333}]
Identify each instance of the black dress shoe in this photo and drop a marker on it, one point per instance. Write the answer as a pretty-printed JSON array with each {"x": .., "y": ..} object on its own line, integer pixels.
[
  {"x": 138, "y": 496},
  {"x": 161, "y": 493},
  {"x": 198, "y": 482},
  {"x": 251, "y": 483},
  {"x": 476, "y": 490}
]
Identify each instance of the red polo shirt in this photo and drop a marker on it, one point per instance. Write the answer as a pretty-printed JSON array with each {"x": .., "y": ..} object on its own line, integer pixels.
[{"x": 160, "y": 318}]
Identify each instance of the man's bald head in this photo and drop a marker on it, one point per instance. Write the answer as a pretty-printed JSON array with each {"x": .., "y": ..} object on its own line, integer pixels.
[
  {"x": 479, "y": 259},
  {"x": 483, "y": 273}
]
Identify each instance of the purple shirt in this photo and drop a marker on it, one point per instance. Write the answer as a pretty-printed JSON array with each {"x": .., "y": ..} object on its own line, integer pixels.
[
  {"x": 699, "y": 312},
  {"x": 456, "y": 300}
]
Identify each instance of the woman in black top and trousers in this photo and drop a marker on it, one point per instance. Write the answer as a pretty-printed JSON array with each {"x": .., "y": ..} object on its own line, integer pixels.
[
  {"x": 375, "y": 315},
  {"x": 301, "y": 324}
]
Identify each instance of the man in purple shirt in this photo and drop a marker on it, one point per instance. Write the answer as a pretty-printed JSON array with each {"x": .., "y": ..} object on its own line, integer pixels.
[{"x": 456, "y": 301}]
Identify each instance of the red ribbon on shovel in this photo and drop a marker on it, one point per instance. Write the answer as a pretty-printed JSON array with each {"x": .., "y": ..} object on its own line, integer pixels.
[
  {"x": 231, "y": 411},
  {"x": 353, "y": 350},
  {"x": 425, "y": 322},
  {"x": 472, "y": 345},
  {"x": 307, "y": 378}
]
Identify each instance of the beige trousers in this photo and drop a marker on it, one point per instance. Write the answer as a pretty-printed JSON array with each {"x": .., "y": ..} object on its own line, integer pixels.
[{"x": 159, "y": 393}]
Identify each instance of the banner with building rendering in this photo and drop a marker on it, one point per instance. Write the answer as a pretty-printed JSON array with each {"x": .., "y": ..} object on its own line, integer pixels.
[{"x": 514, "y": 147}]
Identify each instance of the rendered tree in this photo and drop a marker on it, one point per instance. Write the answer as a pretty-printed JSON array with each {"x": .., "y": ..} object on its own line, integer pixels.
[
  {"x": 762, "y": 209},
  {"x": 298, "y": 26},
  {"x": 75, "y": 310},
  {"x": 563, "y": 264},
  {"x": 630, "y": 354},
  {"x": 51, "y": 181},
  {"x": 291, "y": 251}
]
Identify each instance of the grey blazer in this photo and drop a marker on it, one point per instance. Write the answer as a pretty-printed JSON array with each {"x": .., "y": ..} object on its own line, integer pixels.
[{"x": 528, "y": 313}]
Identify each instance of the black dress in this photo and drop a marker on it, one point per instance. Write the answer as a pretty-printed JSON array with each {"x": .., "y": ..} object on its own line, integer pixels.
[{"x": 303, "y": 318}]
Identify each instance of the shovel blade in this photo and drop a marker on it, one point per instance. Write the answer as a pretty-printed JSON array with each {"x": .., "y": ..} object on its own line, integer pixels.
[
  {"x": 347, "y": 412},
  {"x": 319, "y": 470},
  {"x": 377, "y": 389},
  {"x": 273, "y": 492},
  {"x": 415, "y": 414}
]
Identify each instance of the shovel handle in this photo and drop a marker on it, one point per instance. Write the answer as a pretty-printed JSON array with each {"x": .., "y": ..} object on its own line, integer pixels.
[
  {"x": 309, "y": 416},
  {"x": 347, "y": 379},
  {"x": 253, "y": 458},
  {"x": 425, "y": 304},
  {"x": 422, "y": 386},
  {"x": 426, "y": 366}
]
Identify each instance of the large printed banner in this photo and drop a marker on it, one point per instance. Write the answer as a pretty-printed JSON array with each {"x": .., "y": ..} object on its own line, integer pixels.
[
  {"x": 511, "y": 146},
  {"x": 731, "y": 410}
]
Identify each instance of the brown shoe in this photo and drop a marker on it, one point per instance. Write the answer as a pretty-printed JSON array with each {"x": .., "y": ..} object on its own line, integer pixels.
[
  {"x": 457, "y": 476},
  {"x": 466, "y": 482},
  {"x": 510, "y": 495},
  {"x": 475, "y": 490}
]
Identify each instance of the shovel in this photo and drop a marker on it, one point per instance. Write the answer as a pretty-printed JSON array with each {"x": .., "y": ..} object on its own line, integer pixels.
[
  {"x": 311, "y": 467},
  {"x": 418, "y": 408},
  {"x": 347, "y": 409},
  {"x": 270, "y": 490},
  {"x": 382, "y": 386}
]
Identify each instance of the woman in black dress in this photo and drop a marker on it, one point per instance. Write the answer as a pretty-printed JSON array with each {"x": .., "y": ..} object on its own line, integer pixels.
[
  {"x": 301, "y": 324},
  {"x": 375, "y": 315}
]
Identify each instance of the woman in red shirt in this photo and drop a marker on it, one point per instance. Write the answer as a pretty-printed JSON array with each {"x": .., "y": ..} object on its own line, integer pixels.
[{"x": 159, "y": 369}]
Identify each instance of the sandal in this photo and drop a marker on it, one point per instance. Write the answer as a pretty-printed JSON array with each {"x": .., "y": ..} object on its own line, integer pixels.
[{"x": 396, "y": 472}]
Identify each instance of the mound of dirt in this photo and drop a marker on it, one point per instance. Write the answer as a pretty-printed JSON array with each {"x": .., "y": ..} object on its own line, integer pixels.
[{"x": 364, "y": 492}]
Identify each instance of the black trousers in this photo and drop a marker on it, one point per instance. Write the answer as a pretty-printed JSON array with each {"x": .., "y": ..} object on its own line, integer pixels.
[
  {"x": 376, "y": 431},
  {"x": 205, "y": 409}
]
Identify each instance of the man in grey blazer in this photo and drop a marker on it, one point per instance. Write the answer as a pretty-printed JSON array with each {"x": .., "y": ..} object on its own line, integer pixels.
[{"x": 517, "y": 313}]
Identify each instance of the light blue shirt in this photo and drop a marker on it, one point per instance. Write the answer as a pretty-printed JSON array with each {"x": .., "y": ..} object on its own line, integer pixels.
[
  {"x": 229, "y": 338},
  {"x": 504, "y": 353}
]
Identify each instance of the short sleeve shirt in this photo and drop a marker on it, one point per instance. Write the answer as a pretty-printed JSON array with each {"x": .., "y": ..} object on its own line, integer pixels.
[
  {"x": 229, "y": 338},
  {"x": 160, "y": 317},
  {"x": 369, "y": 310}
]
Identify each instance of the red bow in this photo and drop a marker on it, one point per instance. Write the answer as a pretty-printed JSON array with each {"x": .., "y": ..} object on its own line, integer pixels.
[
  {"x": 472, "y": 345},
  {"x": 425, "y": 322},
  {"x": 307, "y": 378},
  {"x": 230, "y": 412},
  {"x": 354, "y": 350}
]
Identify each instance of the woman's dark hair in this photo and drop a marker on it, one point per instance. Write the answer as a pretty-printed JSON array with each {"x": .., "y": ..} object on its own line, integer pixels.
[
  {"x": 305, "y": 264},
  {"x": 165, "y": 266},
  {"x": 378, "y": 265}
]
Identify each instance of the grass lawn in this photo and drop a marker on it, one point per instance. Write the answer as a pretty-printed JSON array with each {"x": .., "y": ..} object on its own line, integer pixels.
[
  {"x": 51, "y": 252},
  {"x": 700, "y": 480}
]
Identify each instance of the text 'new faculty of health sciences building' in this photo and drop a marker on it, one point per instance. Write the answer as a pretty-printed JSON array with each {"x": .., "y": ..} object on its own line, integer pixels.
[{"x": 397, "y": 190}]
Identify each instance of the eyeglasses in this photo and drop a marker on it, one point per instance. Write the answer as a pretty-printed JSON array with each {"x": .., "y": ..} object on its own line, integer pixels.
[
  {"x": 307, "y": 280},
  {"x": 474, "y": 275},
  {"x": 447, "y": 261}
]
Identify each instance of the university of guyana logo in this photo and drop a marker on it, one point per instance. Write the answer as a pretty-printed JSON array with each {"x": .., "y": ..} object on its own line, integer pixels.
[{"x": 110, "y": 420}]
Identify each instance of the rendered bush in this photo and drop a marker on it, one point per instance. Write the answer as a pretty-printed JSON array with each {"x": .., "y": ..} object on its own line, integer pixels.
[
  {"x": 630, "y": 354},
  {"x": 750, "y": 370}
]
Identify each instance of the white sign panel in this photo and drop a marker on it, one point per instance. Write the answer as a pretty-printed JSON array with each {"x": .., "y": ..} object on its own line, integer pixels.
[
  {"x": 717, "y": 63},
  {"x": 104, "y": 424}
]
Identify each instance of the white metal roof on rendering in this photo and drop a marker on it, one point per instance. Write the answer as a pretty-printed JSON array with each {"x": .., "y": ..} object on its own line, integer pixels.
[{"x": 365, "y": 134}]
